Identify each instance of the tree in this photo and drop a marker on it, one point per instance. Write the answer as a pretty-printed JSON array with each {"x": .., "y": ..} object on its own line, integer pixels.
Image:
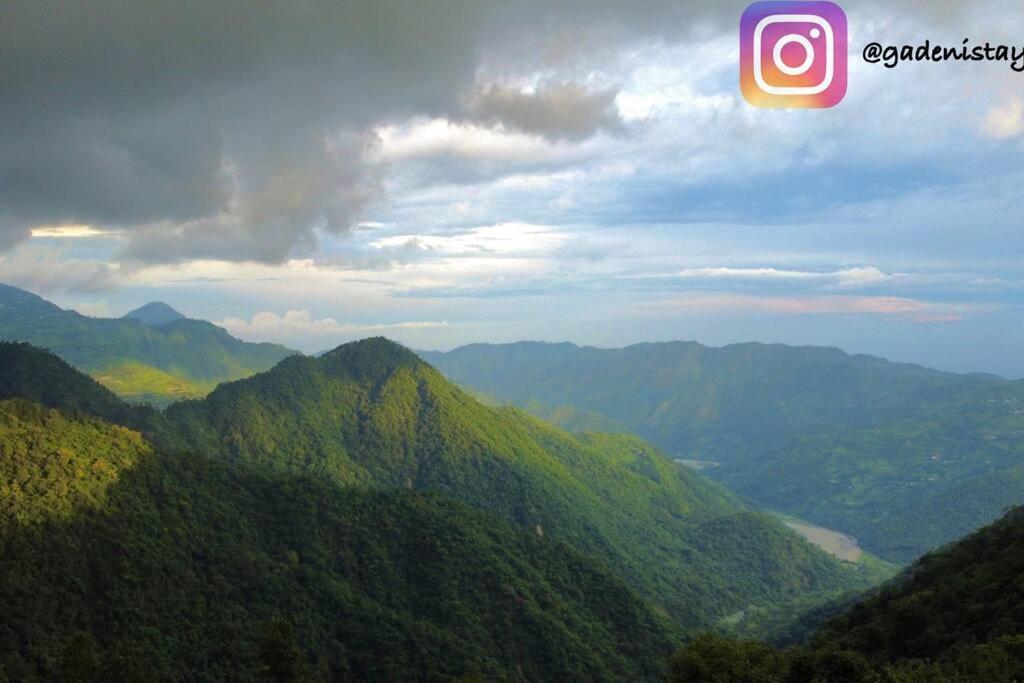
[
  {"x": 280, "y": 655},
  {"x": 80, "y": 662},
  {"x": 714, "y": 659}
]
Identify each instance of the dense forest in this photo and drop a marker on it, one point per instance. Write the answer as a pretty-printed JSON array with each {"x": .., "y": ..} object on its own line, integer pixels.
[
  {"x": 134, "y": 356},
  {"x": 372, "y": 414},
  {"x": 120, "y": 563},
  {"x": 849, "y": 442},
  {"x": 357, "y": 515}
]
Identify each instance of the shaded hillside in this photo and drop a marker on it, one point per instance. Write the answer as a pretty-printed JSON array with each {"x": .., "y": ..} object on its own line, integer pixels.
[
  {"x": 966, "y": 593},
  {"x": 956, "y": 615},
  {"x": 40, "y": 376},
  {"x": 373, "y": 414},
  {"x": 180, "y": 358},
  {"x": 118, "y": 563}
]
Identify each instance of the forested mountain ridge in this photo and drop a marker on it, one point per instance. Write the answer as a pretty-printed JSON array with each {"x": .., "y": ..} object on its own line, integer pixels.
[
  {"x": 42, "y": 377},
  {"x": 121, "y": 563},
  {"x": 713, "y": 403},
  {"x": 138, "y": 360},
  {"x": 850, "y": 442},
  {"x": 373, "y": 414},
  {"x": 956, "y": 615}
]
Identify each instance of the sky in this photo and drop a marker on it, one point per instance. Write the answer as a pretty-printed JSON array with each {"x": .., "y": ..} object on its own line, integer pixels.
[{"x": 448, "y": 172}]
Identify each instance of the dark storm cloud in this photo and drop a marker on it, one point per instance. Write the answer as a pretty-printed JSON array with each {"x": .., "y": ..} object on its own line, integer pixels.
[{"x": 206, "y": 128}]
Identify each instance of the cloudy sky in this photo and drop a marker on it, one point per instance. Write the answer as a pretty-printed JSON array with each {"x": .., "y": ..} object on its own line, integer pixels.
[{"x": 444, "y": 172}]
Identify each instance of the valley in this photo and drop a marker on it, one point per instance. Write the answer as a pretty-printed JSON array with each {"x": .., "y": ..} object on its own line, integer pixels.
[
  {"x": 844, "y": 441},
  {"x": 835, "y": 543}
]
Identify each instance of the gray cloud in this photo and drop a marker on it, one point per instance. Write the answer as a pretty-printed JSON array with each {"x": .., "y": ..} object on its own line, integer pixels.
[
  {"x": 182, "y": 118},
  {"x": 279, "y": 198},
  {"x": 204, "y": 128},
  {"x": 45, "y": 271},
  {"x": 563, "y": 111}
]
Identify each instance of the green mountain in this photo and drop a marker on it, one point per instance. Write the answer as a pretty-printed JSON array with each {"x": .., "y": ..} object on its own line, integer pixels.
[
  {"x": 955, "y": 615},
  {"x": 40, "y": 376},
  {"x": 372, "y": 518},
  {"x": 118, "y": 562},
  {"x": 967, "y": 593},
  {"x": 154, "y": 313},
  {"x": 854, "y": 443},
  {"x": 136, "y": 357},
  {"x": 372, "y": 414}
]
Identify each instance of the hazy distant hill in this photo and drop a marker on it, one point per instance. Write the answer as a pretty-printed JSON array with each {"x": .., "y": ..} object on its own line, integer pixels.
[
  {"x": 154, "y": 313},
  {"x": 853, "y": 442},
  {"x": 152, "y": 355}
]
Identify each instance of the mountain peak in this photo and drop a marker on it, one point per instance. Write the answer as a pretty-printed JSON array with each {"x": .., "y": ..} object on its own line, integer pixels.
[
  {"x": 155, "y": 313},
  {"x": 369, "y": 358}
]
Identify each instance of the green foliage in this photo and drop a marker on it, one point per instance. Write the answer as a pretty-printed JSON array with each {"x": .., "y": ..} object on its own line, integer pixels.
[
  {"x": 968, "y": 592},
  {"x": 40, "y": 376},
  {"x": 127, "y": 352},
  {"x": 712, "y": 659},
  {"x": 52, "y": 467},
  {"x": 140, "y": 383},
  {"x": 873, "y": 448},
  {"x": 402, "y": 529},
  {"x": 283, "y": 661},
  {"x": 372, "y": 414},
  {"x": 957, "y": 615},
  {"x": 189, "y": 569}
]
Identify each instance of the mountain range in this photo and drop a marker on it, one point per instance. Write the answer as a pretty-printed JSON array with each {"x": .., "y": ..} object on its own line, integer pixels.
[
  {"x": 152, "y": 355},
  {"x": 873, "y": 448},
  {"x": 392, "y": 522},
  {"x": 357, "y": 516}
]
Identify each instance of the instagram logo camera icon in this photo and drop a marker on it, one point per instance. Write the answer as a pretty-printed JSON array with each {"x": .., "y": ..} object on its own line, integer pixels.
[{"x": 793, "y": 54}]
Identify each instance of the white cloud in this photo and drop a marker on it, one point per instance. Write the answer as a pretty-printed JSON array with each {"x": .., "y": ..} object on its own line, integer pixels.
[
  {"x": 502, "y": 239},
  {"x": 1005, "y": 120},
  {"x": 269, "y": 325},
  {"x": 440, "y": 137},
  {"x": 842, "y": 278},
  {"x": 912, "y": 309},
  {"x": 69, "y": 231}
]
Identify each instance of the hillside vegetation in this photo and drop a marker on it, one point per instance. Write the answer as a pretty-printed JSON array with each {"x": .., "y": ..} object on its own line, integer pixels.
[
  {"x": 851, "y": 442},
  {"x": 373, "y": 414},
  {"x": 955, "y": 615},
  {"x": 118, "y": 563},
  {"x": 144, "y": 362}
]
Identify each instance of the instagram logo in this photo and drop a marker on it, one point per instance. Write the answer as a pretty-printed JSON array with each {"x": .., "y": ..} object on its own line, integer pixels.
[{"x": 793, "y": 54}]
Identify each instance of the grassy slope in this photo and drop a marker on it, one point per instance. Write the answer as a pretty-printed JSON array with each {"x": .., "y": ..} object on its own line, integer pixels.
[{"x": 141, "y": 383}]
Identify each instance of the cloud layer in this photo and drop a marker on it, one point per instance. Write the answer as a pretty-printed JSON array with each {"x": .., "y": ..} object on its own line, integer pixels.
[{"x": 575, "y": 169}]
